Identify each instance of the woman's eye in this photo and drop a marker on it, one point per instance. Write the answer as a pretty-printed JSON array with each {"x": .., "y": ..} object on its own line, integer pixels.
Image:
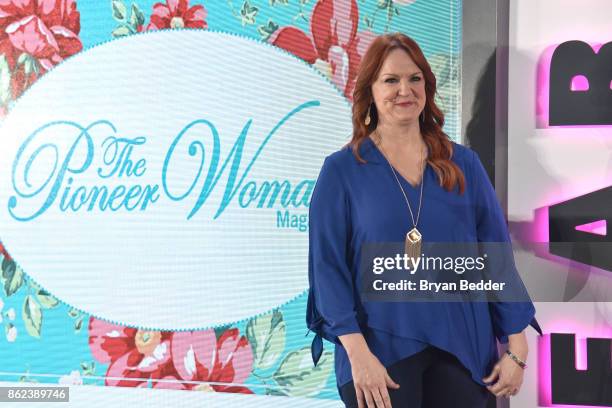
[{"x": 393, "y": 80}]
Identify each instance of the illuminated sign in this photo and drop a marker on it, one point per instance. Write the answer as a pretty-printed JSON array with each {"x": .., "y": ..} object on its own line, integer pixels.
[
  {"x": 582, "y": 222},
  {"x": 580, "y": 85},
  {"x": 590, "y": 385}
]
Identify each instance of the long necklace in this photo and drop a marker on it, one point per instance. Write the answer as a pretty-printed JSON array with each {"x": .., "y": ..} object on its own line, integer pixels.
[{"x": 414, "y": 238}]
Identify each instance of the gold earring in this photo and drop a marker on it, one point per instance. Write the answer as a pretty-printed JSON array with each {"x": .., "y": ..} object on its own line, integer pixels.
[{"x": 367, "y": 118}]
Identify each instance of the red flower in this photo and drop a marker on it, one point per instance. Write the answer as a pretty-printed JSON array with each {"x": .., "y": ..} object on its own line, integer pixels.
[
  {"x": 132, "y": 353},
  {"x": 135, "y": 356},
  {"x": 35, "y": 35},
  {"x": 198, "y": 356},
  {"x": 177, "y": 14},
  {"x": 335, "y": 46},
  {"x": 3, "y": 252}
]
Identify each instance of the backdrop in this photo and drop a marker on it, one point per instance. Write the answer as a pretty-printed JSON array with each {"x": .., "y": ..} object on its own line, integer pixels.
[{"x": 156, "y": 170}]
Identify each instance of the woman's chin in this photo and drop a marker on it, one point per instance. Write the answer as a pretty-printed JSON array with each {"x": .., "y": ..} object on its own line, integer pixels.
[{"x": 407, "y": 119}]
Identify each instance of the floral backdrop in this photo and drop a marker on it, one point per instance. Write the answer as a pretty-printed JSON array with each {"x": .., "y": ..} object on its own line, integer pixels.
[{"x": 45, "y": 340}]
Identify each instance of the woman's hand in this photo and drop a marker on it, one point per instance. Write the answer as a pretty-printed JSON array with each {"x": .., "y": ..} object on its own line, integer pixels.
[
  {"x": 371, "y": 380},
  {"x": 370, "y": 377},
  {"x": 508, "y": 373},
  {"x": 509, "y": 378}
]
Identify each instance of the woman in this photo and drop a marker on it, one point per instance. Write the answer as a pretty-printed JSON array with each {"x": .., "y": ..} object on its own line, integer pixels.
[{"x": 400, "y": 177}]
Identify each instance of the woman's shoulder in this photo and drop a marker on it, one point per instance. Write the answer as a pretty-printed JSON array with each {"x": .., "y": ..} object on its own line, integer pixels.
[
  {"x": 344, "y": 158},
  {"x": 462, "y": 155},
  {"x": 340, "y": 156},
  {"x": 469, "y": 161}
]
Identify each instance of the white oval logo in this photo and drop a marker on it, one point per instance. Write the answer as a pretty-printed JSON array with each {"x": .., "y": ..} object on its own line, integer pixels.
[{"x": 163, "y": 180}]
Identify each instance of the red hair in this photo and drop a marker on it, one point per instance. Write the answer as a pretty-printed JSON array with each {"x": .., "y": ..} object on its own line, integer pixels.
[{"x": 438, "y": 142}]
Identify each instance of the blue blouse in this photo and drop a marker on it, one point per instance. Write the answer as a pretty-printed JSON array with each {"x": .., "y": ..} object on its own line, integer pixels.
[{"x": 355, "y": 203}]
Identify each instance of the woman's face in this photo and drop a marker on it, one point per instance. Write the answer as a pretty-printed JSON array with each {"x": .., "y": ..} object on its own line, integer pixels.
[{"x": 399, "y": 89}]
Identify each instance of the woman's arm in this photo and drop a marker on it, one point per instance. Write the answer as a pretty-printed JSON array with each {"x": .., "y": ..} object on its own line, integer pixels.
[
  {"x": 516, "y": 311},
  {"x": 517, "y": 344},
  {"x": 332, "y": 308},
  {"x": 509, "y": 318},
  {"x": 506, "y": 377},
  {"x": 370, "y": 377}
]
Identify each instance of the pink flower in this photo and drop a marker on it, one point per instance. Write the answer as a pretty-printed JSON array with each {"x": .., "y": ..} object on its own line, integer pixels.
[
  {"x": 177, "y": 14},
  {"x": 35, "y": 35},
  {"x": 335, "y": 46},
  {"x": 199, "y": 356},
  {"x": 131, "y": 353}
]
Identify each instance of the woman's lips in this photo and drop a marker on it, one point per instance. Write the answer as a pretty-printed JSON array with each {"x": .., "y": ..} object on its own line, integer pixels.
[{"x": 405, "y": 104}]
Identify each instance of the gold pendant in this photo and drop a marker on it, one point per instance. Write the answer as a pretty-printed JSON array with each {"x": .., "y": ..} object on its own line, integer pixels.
[{"x": 414, "y": 240}]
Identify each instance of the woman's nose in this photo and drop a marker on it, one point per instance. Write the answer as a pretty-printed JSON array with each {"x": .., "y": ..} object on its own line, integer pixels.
[{"x": 406, "y": 88}]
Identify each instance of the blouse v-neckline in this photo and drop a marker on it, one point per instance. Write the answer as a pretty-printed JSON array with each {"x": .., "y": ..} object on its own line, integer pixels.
[{"x": 399, "y": 175}]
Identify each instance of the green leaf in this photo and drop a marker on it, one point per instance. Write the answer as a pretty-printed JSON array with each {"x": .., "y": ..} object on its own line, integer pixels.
[
  {"x": 92, "y": 369},
  {"x": 119, "y": 10},
  {"x": 275, "y": 2},
  {"x": 46, "y": 300},
  {"x": 275, "y": 392},
  {"x": 23, "y": 58},
  {"x": 396, "y": 10},
  {"x": 32, "y": 316},
  {"x": 26, "y": 61},
  {"x": 73, "y": 312},
  {"x": 221, "y": 329},
  {"x": 266, "y": 334},
  {"x": 5, "y": 80},
  {"x": 298, "y": 377},
  {"x": 30, "y": 65},
  {"x": 121, "y": 31},
  {"x": 12, "y": 275},
  {"x": 78, "y": 324},
  {"x": 8, "y": 267},
  {"x": 137, "y": 18},
  {"x": 267, "y": 30},
  {"x": 88, "y": 367},
  {"x": 248, "y": 13}
]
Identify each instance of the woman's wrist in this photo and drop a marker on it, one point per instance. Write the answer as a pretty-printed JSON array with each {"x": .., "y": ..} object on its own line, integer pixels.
[
  {"x": 354, "y": 344},
  {"x": 517, "y": 344},
  {"x": 520, "y": 362}
]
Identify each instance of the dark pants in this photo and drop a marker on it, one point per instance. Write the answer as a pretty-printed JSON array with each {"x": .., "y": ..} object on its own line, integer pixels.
[{"x": 431, "y": 378}]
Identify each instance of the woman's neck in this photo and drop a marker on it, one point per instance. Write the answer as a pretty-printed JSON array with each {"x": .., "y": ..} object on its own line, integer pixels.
[{"x": 400, "y": 137}]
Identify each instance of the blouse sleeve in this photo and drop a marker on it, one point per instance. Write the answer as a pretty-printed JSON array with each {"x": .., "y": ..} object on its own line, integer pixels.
[
  {"x": 331, "y": 305},
  {"x": 507, "y": 317}
]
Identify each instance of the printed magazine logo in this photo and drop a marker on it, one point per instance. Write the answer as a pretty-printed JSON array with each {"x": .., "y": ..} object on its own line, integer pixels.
[{"x": 173, "y": 181}]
